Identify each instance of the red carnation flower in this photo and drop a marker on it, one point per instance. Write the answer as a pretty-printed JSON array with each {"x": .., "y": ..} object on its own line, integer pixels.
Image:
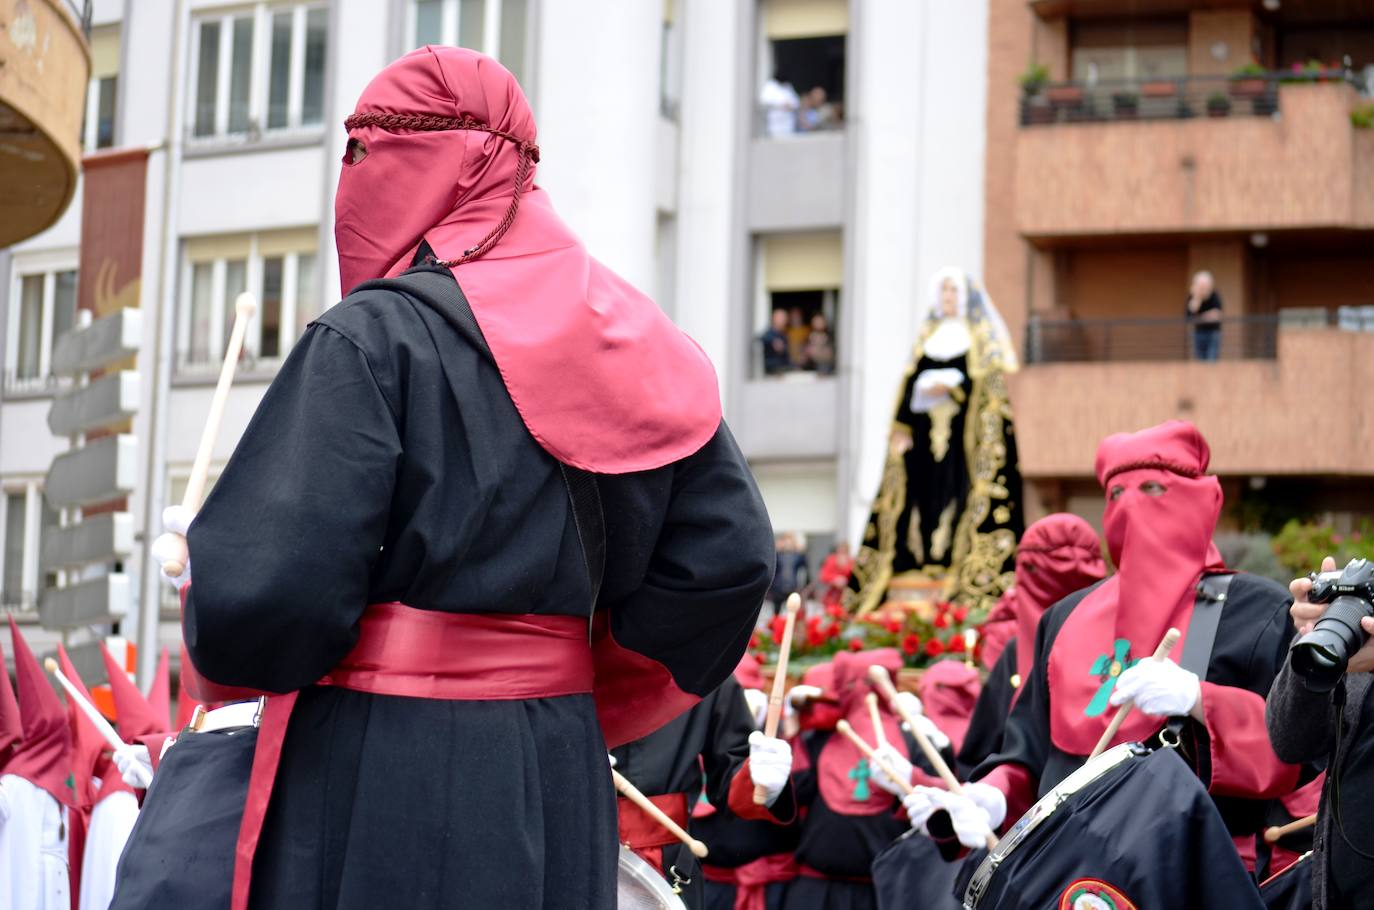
[
  {"x": 934, "y": 648},
  {"x": 942, "y": 621},
  {"x": 956, "y": 644},
  {"x": 943, "y": 606},
  {"x": 893, "y": 625},
  {"x": 960, "y": 613},
  {"x": 814, "y": 637},
  {"x": 833, "y": 630},
  {"x": 911, "y": 644},
  {"x": 778, "y": 623},
  {"x": 855, "y": 644},
  {"x": 835, "y": 610}
]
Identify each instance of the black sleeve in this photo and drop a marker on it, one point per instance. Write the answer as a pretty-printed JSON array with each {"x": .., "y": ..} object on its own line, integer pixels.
[
  {"x": 725, "y": 753},
  {"x": 695, "y": 608},
  {"x": 282, "y": 550},
  {"x": 984, "y": 736},
  {"x": 905, "y": 416},
  {"x": 1301, "y": 723},
  {"x": 699, "y": 600},
  {"x": 1025, "y": 741}
]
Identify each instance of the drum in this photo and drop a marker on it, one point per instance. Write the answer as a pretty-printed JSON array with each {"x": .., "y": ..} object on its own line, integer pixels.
[
  {"x": 1130, "y": 829},
  {"x": 640, "y": 887}
]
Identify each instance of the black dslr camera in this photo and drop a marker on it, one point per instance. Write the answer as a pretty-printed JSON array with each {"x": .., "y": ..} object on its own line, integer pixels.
[{"x": 1320, "y": 656}]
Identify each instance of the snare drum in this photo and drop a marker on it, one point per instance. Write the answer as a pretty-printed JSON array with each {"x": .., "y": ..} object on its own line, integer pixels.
[
  {"x": 1130, "y": 829},
  {"x": 640, "y": 887}
]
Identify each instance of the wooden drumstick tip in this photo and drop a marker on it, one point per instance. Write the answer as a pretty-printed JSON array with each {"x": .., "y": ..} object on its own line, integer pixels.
[
  {"x": 175, "y": 565},
  {"x": 698, "y": 849},
  {"x": 793, "y": 603},
  {"x": 245, "y": 305},
  {"x": 878, "y": 675},
  {"x": 50, "y": 665}
]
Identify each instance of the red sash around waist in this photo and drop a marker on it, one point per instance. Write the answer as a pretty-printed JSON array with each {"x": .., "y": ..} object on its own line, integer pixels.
[
  {"x": 640, "y": 831},
  {"x": 751, "y": 879},
  {"x": 426, "y": 654}
]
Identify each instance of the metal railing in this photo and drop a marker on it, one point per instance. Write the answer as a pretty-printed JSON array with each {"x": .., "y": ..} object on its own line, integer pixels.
[
  {"x": 1098, "y": 340},
  {"x": 1164, "y": 99}
]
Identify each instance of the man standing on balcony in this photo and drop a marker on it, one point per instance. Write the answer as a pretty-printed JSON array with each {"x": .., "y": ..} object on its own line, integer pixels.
[{"x": 1204, "y": 315}]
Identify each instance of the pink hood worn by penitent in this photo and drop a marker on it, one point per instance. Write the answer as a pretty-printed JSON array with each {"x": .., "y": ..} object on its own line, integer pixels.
[{"x": 601, "y": 377}]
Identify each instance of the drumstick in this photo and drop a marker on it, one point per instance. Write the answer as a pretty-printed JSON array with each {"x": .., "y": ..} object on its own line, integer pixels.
[
  {"x": 1166, "y": 645},
  {"x": 884, "y": 683},
  {"x": 847, "y": 731},
  {"x": 770, "y": 724},
  {"x": 244, "y": 308},
  {"x": 102, "y": 726},
  {"x": 631, "y": 792},
  {"x": 1271, "y": 835},
  {"x": 879, "y": 737}
]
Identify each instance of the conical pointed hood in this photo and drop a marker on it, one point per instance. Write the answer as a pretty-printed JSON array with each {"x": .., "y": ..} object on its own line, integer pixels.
[
  {"x": 10, "y": 729},
  {"x": 160, "y": 695},
  {"x": 134, "y": 717},
  {"x": 43, "y": 755},
  {"x": 186, "y": 707},
  {"x": 87, "y": 742}
]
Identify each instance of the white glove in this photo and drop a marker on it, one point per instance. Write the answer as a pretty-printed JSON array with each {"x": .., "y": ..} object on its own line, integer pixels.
[
  {"x": 135, "y": 765},
  {"x": 770, "y": 764},
  {"x": 176, "y": 520},
  {"x": 1160, "y": 688},
  {"x": 799, "y": 695},
  {"x": 4, "y": 805},
  {"x": 612, "y": 758},
  {"x": 758, "y": 705},
  {"x": 895, "y": 760},
  {"x": 970, "y": 820},
  {"x": 990, "y": 800}
]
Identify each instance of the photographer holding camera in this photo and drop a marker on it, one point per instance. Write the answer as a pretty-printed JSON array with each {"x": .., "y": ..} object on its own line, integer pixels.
[{"x": 1321, "y": 708}]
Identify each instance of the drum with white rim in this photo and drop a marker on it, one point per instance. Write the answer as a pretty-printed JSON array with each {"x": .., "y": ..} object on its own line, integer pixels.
[{"x": 640, "y": 887}]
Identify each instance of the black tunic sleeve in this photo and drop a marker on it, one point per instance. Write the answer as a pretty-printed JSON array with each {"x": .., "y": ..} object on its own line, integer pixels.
[
  {"x": 989, "y": 719},
  {"x": 282, "y": 550},
  {"x": 681, "y": 630}
]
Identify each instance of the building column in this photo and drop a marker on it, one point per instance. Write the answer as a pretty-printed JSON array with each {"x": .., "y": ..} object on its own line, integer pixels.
[
  {"x": 711, "y": 301},
  {"x": 596, "y": 102},
  {"x": 918, "y": 78}
]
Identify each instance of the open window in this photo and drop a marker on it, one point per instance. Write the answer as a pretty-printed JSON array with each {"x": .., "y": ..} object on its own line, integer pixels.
[
  {"x": 802, "y": 63},
  {"x": 799, "y": 277}
]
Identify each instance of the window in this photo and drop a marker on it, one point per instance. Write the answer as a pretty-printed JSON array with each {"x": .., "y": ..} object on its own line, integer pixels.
[
  {"x": 498, "y": 28},
  {"x": 802, "y": 58},
  {"x": 27, "y": 520},
  {"x": 98, "y": 129},
  {"x": 670, "y": 63},
  {"x": 1128, "y": 50},
  {"x": 798, "y": 279},
  {"x": 278, "y": 267},
  {"x": 46, "y": 308},
  {"x": 245, "y": 85}
]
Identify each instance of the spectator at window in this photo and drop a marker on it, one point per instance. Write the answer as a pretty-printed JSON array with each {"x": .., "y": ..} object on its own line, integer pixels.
[
  {"x": 1204, "y": 316},
  {"x": 776, "y": 359},
  {"x": 779, "y": 101},
  {"x": 797, "y": 334},
  {"x": 820, "y": 347},
  {"x": 815, "y": 112}
]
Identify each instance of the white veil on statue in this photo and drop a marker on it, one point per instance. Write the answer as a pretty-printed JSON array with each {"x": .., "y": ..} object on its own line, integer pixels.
[{"x": 977, "y": 328}]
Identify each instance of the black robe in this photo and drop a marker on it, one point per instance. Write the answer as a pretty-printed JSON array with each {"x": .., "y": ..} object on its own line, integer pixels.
[
  {"x": 989, "y": 719},
  {"x": 839, "y": 846},
  {"x": 704, "y": 750},
  {"x": 1251, "y": 645},
  {"x": 388, "y": 463}
]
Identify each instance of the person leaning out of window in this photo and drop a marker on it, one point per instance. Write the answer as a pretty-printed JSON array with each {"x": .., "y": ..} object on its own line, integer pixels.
[{"x": 1336, "y": 725}]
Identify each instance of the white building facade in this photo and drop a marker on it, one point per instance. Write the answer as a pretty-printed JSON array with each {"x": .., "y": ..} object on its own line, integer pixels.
[{"x": 654, "y": 148}]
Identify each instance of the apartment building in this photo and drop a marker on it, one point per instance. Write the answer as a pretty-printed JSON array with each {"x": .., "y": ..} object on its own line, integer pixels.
[
  {"x": 1131, "y": 144},
  {"x": 657, "y": 147}
]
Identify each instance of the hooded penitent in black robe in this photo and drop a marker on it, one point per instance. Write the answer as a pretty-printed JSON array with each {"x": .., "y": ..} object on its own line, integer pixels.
[
  {"x": 705, "y": 750},
  {"x": 1251, "y": 643},
  {"x": 387, "y": 463}
]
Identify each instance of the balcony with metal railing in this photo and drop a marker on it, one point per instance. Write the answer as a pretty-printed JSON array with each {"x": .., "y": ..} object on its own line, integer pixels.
[
  {"x": 1086, "y": 379},
  {"x": 1263, "y": 152}
]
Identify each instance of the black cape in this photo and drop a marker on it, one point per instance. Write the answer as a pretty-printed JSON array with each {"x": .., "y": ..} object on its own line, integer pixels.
[
  {"x": 989, "y": 719},
  {"x": 387, "y": 462}
]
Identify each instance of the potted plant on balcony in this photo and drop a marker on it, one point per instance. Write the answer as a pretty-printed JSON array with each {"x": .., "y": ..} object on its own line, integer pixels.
[
  {"x": 1125, "y": 105},
  {"x": 1034, "y": 79},
  {"x": 1159, "y": 88},
  {"x": 1248, "y": 81},
  {"x": 1034, "y": 107},
  {"x": 1218, "y": 105}
]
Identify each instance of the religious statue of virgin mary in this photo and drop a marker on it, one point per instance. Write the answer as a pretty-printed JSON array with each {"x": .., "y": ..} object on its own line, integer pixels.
[{"x": 948, "y": 510}]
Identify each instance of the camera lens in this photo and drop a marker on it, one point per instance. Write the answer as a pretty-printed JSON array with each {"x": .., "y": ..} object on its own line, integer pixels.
[{"x": 1320, "y": 656}]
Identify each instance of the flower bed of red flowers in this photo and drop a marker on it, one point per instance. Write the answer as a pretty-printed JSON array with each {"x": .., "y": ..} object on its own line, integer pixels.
[{"x": 923, "y": 631}]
